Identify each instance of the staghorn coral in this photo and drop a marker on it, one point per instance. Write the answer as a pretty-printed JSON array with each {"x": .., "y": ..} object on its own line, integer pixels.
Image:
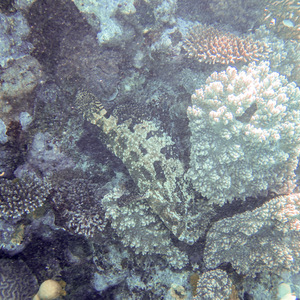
[
  {"x": 265, "y": 239},
  {"x": 245, "y": 134},
  {"x": 284, "y": 18},
  {"x": 22, "y": 196},
  {"x": 147, "y": 153},
  {"x": 213, "y": 284},
  {"x": 78, "y": 207},
  {"x": 210, "y": 45}
]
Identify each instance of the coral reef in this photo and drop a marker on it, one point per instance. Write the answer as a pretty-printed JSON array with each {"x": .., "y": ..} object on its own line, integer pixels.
[
  {"x": 284, "y": 56},
  {"x": 17, "y": 280},
  {"x": 18, "y": 80},
  {"x": 245, "y": 134},
  {"x": 265, "y": 239},
  {"x": 213, "y": 284},
  {"x": 22, "y": 196},
  {"x": 45, "y": 154},
  {"x": 95, "y": 69},
  {"x": 284, "y": 18},
  {"x": 11, "y": 237},
  {"x": 103, "y": 13},
  {"x": 159, "y": 177},
  {"x": 121, "y": 191},
  {"x": 21, "y": 77},
  {"x": 79, "y": 208},
  {"x": 210, "y": 45},
  {"x": 239, "y": 14},
  {"x": 13, "y": 45},
  {"x": 3, "y": 136},
  {"x": 50, "y": 290},
  {"x": 141, "y": 229}
]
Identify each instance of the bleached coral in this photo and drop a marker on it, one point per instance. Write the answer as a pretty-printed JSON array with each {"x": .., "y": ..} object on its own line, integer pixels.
[
  {"x": 263, "y": 240},
  {"x": 245, "y": 134}
]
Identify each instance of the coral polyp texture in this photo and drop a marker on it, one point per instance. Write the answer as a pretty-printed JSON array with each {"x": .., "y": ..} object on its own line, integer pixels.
[
  {"x": 265, "y": 239},
  {"x": 213, "y": 284},
  {"x": 245, "y": 134},
  {"x": 210, "y": 45},
  {"x": 80, "y": 210},
  {"x": 22, "y": 196},
  {"x": 17, "y": 280}
]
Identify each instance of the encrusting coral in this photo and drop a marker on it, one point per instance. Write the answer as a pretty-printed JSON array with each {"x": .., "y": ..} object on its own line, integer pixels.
[
  {"x": 210, "y": 45},
  {"x": 245, "y": 134}
]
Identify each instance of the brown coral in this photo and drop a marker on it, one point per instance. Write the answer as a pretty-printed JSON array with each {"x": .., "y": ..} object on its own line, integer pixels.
[{"x": 210, "y": 45}]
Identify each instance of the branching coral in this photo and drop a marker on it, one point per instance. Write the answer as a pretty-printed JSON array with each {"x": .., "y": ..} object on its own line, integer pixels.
[
  {"x": 263, "y": 240},
  {"x": 245, "y": 134},
  {"x": 22, "y": 196},
  {"x": 210, "y": 45},
  {"x": 78, "y": 206}
]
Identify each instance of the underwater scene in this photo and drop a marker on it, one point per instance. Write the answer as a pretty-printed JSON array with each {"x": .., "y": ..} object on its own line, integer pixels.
[{"x": 149, "y": 149}]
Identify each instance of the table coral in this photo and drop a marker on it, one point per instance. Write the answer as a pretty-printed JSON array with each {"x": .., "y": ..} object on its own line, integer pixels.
[{"x": 210, "y": 45}]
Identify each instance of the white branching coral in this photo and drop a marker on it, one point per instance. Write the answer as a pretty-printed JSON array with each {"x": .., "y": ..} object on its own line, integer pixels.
[
  {"x": 245, "y": 134},
  {"x": 263, "y": 240}
]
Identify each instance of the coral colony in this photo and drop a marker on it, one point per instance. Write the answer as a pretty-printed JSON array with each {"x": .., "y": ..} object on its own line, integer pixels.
[{"x": 149, "y": 149}]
